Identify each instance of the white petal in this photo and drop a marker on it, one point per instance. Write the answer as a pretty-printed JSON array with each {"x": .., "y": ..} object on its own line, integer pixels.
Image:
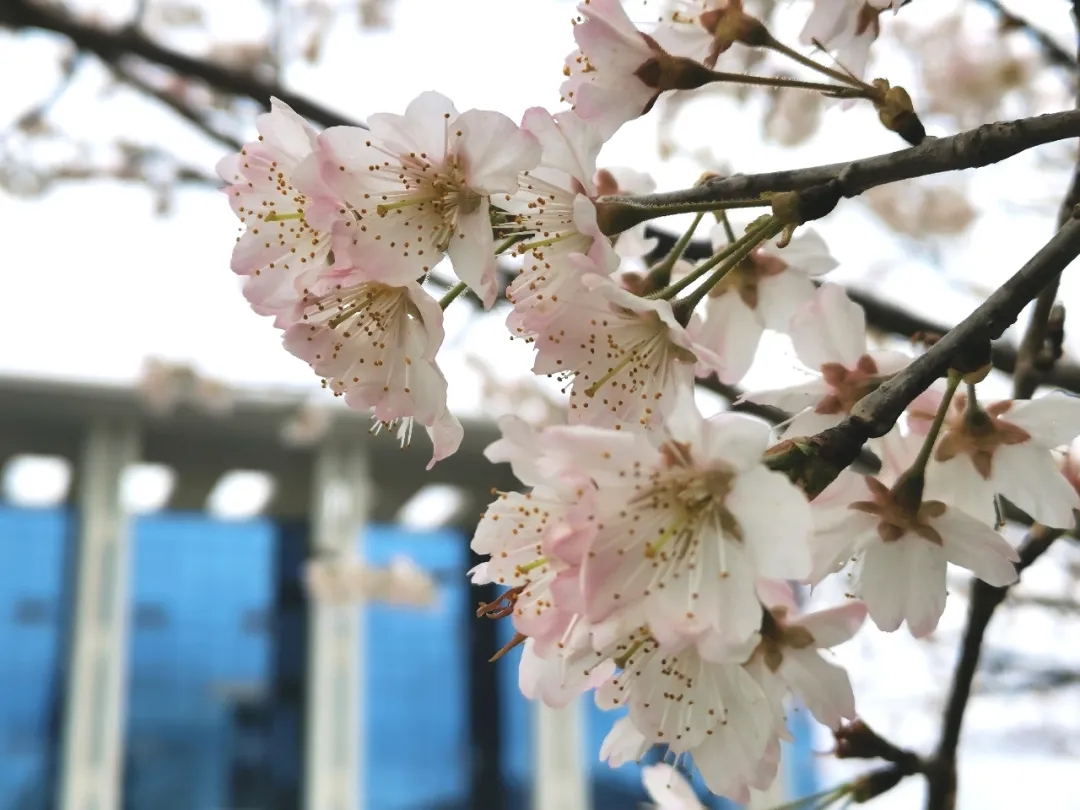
[
  {"x": 735, "y": 438},
  {"x": 829, "y": 328},
  {"x": 623, "y": 744},
  {"x": 472, "y": 252},
  {"x": 669, "y": 788},
  {"x": 1027, "y": 476},
  {"x": 781, "y": 295},
  {"x": 791, "y": 399},
  {"x": 903, "y": 579},
  {"x": 495, "y": 151},
  {"x": 776, "y": 523},
  {"x": 823, "y": 686},
  {"x": 835, "y": 625},
  {"x": 957, "y": 482},
  {"x": 973, "y": 545},
  {"x": 733, "y": 331},
  {"x": 806, "y": 253},
  {"x": 569, "y": 143},
  {"x": 1052, "y": 420}
]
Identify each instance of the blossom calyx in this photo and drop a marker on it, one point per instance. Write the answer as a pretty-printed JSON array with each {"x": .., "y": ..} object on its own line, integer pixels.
[
  {"x": 664, "y": 72},
  {"x": 856, "y": 740},
  {"x": 730, "y": 25},
  {"x": 897, "y": 113}
]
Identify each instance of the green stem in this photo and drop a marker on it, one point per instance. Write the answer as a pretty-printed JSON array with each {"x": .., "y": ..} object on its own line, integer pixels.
[
  {"x": 918, "y": 467},
  {"x": 738, "y": 250},
  {"x": 722, "y": 216},
  {"x": 813, "y": 64},
  {"x": 838, "y": 90},
  {"x": 453, "y": 293},
  {"x": 668, "y": 262},
  {"x": 770, "y": 228}
]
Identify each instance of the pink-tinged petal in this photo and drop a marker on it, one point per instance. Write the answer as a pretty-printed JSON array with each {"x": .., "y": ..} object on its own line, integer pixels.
[
  {"x": 472, "y": 252},
  {"x": 623, "y": 744},
  {"x": 806, "y": 253},
  {"x": 569, "y": 143},
  {"x": 423, "y": 129},
  {"x": 345, "y": 153},
  {"x": 775, "y": 593},
  {"x": 829, "y": 328},
  {"x": 732, "y": 330},
  {"x": 776, "y": 523},
  {"x": 446, "y": 434},
  {"x": 792, "y": 399},
  {"x": 283, "y": 129},
  {"x": 1052, "y": 420},
  {"x": 822, "y": 685},
  {"x": 835, "y": 625},
  {"x": 495, "y": 151},
  {"x": 832, "y": 548},
  {"x": 556, "y": 680},
  {"x": 668, "y": 788},
  {"x": 926, "y": 587},
  {"x": 958, "y": 483},
  {"x": 781, "y": 295}
]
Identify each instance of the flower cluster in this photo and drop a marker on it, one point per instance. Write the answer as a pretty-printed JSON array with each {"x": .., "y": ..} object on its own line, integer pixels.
[{"x": 657, "y": 556}]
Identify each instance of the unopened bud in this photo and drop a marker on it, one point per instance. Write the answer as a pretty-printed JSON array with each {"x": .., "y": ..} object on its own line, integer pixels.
[{"x": 897, "y": 113}]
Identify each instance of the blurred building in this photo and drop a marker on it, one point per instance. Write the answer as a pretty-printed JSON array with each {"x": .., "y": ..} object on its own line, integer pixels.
[{"x": 159, "y": 651}]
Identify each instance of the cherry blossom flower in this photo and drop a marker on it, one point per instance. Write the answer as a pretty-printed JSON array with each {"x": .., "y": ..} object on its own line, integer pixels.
[
  {"x": 847, "y": 28},
  {"x": 276, "y": 191},
  {"x": 627, "y": 357},
  {"x": 669, "y": 789},
  {"x": 899, "y": 547},
  {"x": 420, "y": 185},
  {"x": 829, "y": 335},
  {"x": 374, "y": 340},
  {"x": 715, "y": 712},
  {"x": 1003, "y": 448},
  {"x": 683, "y": 531},
  {"x": 602, "y": 83},
  {"x": 789, "y": 657},
  {"x": 554, "y": 207},
  {"x": 761, "y": 293}
]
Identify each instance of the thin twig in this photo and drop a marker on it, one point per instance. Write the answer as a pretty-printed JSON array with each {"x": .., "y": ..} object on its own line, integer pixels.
[
  {"x": 170, "y": 100},
  {"x": 1054, "y": 53},
  {"x": 1028, "y": 371},
  {"x": 941, "y": 770},
  {"x": 982, "y": 146},
  {"x": 111, "y": 45},
  {"x": 968, "y": 342}
]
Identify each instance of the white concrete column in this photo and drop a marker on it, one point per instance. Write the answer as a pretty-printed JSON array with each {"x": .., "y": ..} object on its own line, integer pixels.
[
  {"x": 92, "y": 755},
  {"x": 561, "y": 780},
  {"x": 334, "y": 756}
]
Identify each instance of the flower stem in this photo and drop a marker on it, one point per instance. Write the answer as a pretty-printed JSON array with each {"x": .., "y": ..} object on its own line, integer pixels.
[
  {"x": 736, "y": 251},
  {"x": 453, "y": 293},
  {"x": 509, "y": 242},
  {"x": 813, "y": 64},
  {"x": 838, "y": 90},
  {"x": 723, "y": 217},
  {"x": 918, "y": 467},
  {"x": 668, "y": 262}
]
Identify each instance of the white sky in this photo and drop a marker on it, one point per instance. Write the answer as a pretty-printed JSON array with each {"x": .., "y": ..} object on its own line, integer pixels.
[{"x": 95, "y": 284}]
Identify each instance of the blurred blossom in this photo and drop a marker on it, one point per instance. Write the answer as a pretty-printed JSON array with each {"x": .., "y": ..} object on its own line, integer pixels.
[
  {"x": 348, "y": 581},
  {"x": 793, "y": 116},
  {"x": 920, "y": 209},
  {"x": 165, "y": 386},
  {"x": 308, "y": 426}
]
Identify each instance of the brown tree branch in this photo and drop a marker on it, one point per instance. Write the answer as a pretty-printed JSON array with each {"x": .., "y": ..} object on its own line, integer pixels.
[
  {"x": 966, "y": 346},
  {"x": 111, "y": 45},
  {"x": 1029, "y": 369},
  {"x": 130, "y": 77},
  {"x": 982, "y": 146},
  {"x": 941, "y": 770}
]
